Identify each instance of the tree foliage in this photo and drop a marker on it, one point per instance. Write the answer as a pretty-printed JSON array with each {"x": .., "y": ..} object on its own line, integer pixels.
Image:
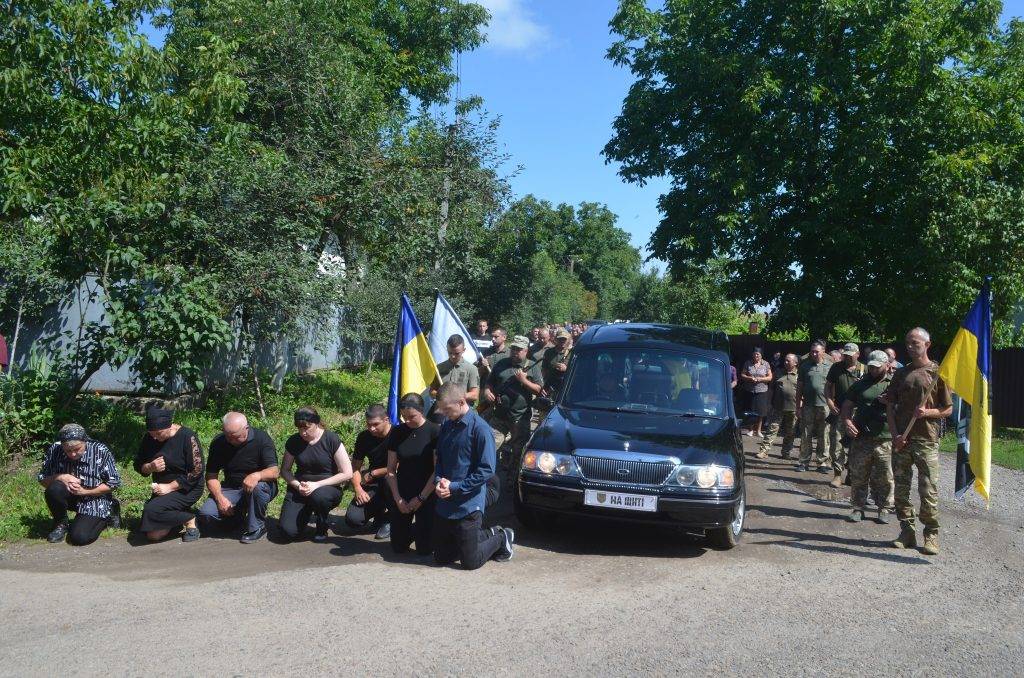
[
  {"x": 857, "y": 161},
  {"x": 584, "y": 252}
]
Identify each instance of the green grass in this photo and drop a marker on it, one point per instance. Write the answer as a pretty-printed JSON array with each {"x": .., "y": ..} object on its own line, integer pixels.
[
  {"x": 1007, "y": 447},
  {"x": 339, "y": 395}
]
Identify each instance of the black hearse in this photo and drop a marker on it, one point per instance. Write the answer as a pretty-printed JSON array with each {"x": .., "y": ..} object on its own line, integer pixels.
[{"x": 643, "y": 429}]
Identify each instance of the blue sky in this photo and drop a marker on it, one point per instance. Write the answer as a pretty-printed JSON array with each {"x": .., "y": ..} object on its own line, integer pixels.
[{"x": 543, "y": 71}]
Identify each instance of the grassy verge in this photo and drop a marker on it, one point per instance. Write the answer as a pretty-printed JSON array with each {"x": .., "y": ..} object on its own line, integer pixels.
[
  {"x": 1007, "y": 447},
  {"x": 336, "y": 394}
]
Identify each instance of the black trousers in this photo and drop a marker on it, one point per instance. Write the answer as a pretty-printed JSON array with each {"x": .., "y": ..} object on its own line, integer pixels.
[
  {"x": 83, "y": 529},
  {"x": 465, "y": 540},
  {"x": 418, "y": 527},
  {"x": 170, "y": 511},
  {"x": 296, "y": 510},
  {"x": 358, "y": 517}
]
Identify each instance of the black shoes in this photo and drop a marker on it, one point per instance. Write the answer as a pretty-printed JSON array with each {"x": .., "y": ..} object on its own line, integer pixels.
[
  {"x": 191, "y": 534},
  {"x": 504, "y": 554},
  {"x": 114, "y": 519},
  {"x": 321, "y": 531},
  {"x": 58, "y": 533},
  {"x": 384, "y": 532},
  {"x": 252, "y": 537}
]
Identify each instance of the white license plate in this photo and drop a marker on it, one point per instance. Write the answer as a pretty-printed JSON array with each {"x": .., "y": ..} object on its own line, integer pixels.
[{"x": 619, "y": 500}]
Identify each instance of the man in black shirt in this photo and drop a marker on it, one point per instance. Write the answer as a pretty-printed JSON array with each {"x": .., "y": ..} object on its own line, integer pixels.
[
  {"x": 248, "y": 458},
  {"x": 371, "y": 494}
]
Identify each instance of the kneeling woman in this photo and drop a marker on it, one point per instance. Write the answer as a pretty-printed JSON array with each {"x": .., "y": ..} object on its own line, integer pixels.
[
  {"x": 171, "y": 454},
  {"x": 321, "y": 465},
  {"x": 411, "y": 463},
  {"x": 79, "y": 475}
]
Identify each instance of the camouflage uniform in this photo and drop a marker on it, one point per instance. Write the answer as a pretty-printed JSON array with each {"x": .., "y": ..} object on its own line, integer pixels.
[
  {"x": 783, "y": 415},
  {"x": 814, "y": 411},
  {"x": 906, "y": 393},
  {"x": 871, "y": 451},
  {"x": 924, "y": 454},
  {"x": 513, "y": 407},
  {"x": 842, "y": 378}
]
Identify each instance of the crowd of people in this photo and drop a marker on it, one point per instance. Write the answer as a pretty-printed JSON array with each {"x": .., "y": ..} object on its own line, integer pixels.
[
  {"x": 426, "y": 482},
  {"x": 876, "y": 422}
]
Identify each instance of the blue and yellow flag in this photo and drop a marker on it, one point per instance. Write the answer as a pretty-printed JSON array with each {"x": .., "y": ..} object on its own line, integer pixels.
[
  {"x": 967, "y": 369},
  {"x": 413, "y": 369}
]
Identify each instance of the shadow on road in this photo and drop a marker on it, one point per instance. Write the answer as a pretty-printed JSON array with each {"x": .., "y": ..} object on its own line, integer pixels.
[
  {"x": 596, "y": 537},
  {"x": 835, "y": 544}
]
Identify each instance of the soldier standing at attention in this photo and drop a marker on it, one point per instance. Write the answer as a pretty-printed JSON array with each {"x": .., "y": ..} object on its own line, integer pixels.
[
  {"x": 783, "y": 409},
  {"x": 917, "y": 394},
  {"x": 556, "y": 361},
  {"x": 540, "y": 347},
  {"x": 511, "y": 388},
  {"x": 813, "y": 407},
  {"x": 863, "y": 418},
  {"x": 843, "y": 374}
]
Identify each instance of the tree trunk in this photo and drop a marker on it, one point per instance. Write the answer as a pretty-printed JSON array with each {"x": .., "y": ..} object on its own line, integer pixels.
[
  {"x": 256, "y": 381},
  {"x": 373, "y": 357},
  {"x": 14, "y": 340}
]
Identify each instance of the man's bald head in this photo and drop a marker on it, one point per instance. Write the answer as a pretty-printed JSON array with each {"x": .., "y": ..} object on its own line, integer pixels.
[{"x": 236, "y": 427}]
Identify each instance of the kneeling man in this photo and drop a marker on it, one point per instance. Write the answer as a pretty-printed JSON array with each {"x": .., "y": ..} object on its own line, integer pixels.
[
  {"x": 465, "y": 463},
  {"x": 248, "y": 458},
  {"x": 79, "y": 475}
]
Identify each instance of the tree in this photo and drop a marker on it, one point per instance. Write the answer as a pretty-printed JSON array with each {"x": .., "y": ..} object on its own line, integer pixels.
[
  {"x": 856, "y": 162},
  {"x": 698, "y": 299},
  {"x": 584, "y": 245}
]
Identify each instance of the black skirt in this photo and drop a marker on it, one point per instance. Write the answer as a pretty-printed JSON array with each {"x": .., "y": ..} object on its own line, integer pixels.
[
  {"x": 759, "y": 403},
  {"x": 171, "y": 510}
]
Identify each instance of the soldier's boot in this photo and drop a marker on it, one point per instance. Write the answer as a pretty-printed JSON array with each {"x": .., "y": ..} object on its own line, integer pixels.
[
  {"x": 883, "y": 516},
  {"x": 931, "y": 544},
  {"x": 837, "y": 480},
  {"x": 856, "y": 515},
  {"x": 907, "y": 538}
]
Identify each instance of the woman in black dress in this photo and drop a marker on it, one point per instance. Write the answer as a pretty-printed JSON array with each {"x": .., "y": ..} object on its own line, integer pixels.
[
  {"x": 321, "y": 465},
  {"x": 411, "y": 449},
  {"x": 171, "y": 454}
]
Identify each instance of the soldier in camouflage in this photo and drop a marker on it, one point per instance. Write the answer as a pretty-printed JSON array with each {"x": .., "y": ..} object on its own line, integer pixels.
[
  {"x": 863, "y": 418},
  {"x": 783, "y": 409},
  {"x": 917, "y": 395}
]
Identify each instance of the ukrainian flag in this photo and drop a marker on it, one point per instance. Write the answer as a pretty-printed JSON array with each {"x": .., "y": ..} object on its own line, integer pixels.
[
  {"x": 967, "y": 369},
  {"x": 413, "y": 369}
]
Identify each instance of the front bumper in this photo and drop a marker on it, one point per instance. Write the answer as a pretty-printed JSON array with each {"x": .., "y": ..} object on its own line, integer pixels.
[{"x": 697, "y": 512}]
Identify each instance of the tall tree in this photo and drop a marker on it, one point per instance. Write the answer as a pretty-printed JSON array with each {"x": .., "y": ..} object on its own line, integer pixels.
[{"x": 856, "y": 161}]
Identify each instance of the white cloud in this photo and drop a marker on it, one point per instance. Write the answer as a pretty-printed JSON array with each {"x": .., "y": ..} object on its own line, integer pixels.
[{"x": 512, "y": 26}]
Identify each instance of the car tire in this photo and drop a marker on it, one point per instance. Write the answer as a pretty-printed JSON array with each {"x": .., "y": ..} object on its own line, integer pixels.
[{"x": 725, "y": 538}]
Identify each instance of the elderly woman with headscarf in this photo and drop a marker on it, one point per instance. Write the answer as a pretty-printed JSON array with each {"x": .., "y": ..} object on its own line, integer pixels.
[
  {"x": 79, "y": 475},
  {"x": 171, "y": 454}
]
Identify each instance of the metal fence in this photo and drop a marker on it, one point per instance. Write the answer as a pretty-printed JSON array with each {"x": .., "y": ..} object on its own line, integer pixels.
[
  {"x": 58, "y": 332},
  {"x": 1007, "y": 369}
]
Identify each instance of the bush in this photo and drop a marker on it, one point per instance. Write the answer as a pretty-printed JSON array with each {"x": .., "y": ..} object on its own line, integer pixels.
[{"x": 30, "y": 403}]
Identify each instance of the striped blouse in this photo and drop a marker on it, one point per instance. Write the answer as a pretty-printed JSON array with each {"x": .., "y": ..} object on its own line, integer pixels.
[{"x": 94, "y": 468}]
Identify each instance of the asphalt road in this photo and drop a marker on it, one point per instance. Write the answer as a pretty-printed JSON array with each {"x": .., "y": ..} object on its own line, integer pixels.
[{"x": 806, "y": 593}]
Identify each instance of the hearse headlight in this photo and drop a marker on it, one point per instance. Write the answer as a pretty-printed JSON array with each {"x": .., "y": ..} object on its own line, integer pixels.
[
  {"x": 550, "y": 463},
  {"x": 705, "y": 476}
]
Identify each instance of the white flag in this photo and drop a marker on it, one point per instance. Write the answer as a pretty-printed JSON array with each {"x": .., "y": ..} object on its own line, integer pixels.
[{"x": 446, "y": 323}]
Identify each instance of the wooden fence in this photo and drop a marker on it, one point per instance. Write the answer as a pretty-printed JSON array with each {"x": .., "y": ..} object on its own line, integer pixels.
[{"x": 1007, "y": 369}]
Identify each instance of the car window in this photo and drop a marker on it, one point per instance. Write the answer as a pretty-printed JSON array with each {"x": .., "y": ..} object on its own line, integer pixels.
[{"x": 641, "y": 380}]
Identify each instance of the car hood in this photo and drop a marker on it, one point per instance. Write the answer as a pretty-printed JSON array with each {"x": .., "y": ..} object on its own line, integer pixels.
[{"x": 693, "y": 440}]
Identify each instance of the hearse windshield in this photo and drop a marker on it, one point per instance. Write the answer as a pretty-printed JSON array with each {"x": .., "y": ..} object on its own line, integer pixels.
[{"x": 644, "y": 380}]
